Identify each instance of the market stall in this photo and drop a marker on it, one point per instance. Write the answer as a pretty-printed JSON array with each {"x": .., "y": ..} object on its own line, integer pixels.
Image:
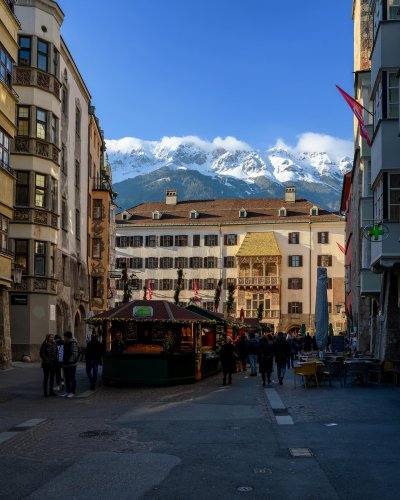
[
  {"x": 152, "y": 343},
  {"x": 213, "y": 335}
]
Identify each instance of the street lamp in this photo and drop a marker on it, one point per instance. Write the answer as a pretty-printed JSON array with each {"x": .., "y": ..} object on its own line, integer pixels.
[{"x": 17, "y": 275}]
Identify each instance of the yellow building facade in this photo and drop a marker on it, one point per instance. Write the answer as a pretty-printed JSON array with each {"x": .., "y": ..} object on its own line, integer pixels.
[
  {"x": 99, "y": 210},
  {"x": 9, "y": 26}
]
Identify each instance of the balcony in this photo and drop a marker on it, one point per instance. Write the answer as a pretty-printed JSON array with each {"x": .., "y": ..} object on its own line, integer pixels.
[
  {"x": 101, "y": 183},
  {"x": 33, "y": 216},
  {"x": 268, "y": 314},
  {"x": 35, "y": 284},
  {"x": 33, "y": 77},
  {"x": 36, "y": 147},
  {"x": 264, "y": 281},
  {"x": 7, "y": 168}
]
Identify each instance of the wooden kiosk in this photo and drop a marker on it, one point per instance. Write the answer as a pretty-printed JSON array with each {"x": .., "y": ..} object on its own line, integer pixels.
[{"x": 151, "y": 342}]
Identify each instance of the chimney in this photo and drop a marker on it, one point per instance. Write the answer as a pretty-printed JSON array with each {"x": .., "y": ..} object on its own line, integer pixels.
[
  {"x": 171, "y": 197},
  {"x": 290, "y": 193}
]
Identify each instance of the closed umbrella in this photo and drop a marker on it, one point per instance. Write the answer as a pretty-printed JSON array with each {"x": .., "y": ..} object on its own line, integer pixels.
[{"x": 321, "y": 309}]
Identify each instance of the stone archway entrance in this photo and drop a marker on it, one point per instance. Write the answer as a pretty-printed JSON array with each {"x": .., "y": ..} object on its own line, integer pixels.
[
  {"x": 80, "y": 325},
  {"x": 293, "y": 329}
]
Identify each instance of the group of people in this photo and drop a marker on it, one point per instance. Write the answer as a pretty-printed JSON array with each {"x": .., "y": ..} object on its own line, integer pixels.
[
  {"x": 59, "y": 361},
  {"x": 263, "y": 351}
]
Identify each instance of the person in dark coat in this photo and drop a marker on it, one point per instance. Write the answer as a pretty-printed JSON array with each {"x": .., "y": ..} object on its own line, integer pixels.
[
  {"x": 59, "y": 375},
  {"x": 93, "y": 355},
  {"x": 282, "y": 350},
  {"x": 307, "y": 343},
  {"x": 228, "y": 355},
  {"x": 49, "y": 356},
  {"x": 241, "y": 347},
  {"x": 252, "y": 352},
  {"x": 70, "y": 362},
  {"x": 266, "y": 357},
  {"x": 293, "y": 351}
]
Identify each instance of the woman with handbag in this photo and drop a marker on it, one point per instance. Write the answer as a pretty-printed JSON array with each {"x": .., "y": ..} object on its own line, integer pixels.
[{"x": 49, "y": 355}]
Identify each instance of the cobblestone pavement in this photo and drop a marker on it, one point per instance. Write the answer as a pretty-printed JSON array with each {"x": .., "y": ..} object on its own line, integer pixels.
[{"x": 221, "y": 437}]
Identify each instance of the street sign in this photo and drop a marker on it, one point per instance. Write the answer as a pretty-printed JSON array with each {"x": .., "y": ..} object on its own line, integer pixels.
[{"x": 115, "y": 276}]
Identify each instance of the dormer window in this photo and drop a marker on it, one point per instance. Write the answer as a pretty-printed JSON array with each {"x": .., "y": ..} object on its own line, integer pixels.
[
  {"x": 193, "y": 214},
  {"x": 314, "y": 210},
  {"x": 125, "y": 215},
  {"x": 156, "y": 215},
  {"x": 282, "y": 212},
  {"x": 242, "y": 213}
]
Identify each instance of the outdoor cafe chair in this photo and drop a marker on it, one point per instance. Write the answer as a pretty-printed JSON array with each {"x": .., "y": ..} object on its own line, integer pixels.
[
  {"x": 333, "y": 369},
  {"x": 306, "y": 370},
  {"x": 355, "y": 370}
]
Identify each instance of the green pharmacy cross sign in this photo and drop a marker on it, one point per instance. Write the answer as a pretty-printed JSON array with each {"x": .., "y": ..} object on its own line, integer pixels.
[{"x": 376, "y": 232}]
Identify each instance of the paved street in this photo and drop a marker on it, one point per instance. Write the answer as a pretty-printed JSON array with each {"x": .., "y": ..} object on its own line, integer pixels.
[{"x": 201, "y": 441}]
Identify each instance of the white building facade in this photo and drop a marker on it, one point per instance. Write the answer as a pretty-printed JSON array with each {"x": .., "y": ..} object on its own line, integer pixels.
[{"x": 269, "y": 249}]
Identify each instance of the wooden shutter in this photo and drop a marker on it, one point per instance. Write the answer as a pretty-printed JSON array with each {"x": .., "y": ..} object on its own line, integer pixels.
[
  {"x": 225, "y": 261},
  {"x": 225, "y": 239},
  {"x": 330, "y": 260},
  {"x": 196, "y": 240},
  {"x": 289, "y": 238},
  {"x": 300, "y": 307},
  {"x": 191, "y": 262},
  {"x": 301, "y": 283},
  {"x": 290, "y": 261},
  {"x": 147, "y": 240},
  {"x": 146, "y": 262},
  {"x": 319, "y": 259},
  {"x": 290, "y": 283},
  {"x": 118, "y": 241},
  {"x": 301, "y": 261}
]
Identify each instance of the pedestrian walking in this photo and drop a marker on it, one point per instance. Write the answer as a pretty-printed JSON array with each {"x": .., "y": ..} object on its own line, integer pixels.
[
  {"x": 228, "y": 356},
  {"x": 93, "y": 354},
  {"x": 307, "y": 343},
  {"x": 241, "y": 347},
  {"x": 282, "y": 349},
  {"x": 252, "y": 353},
  {"x": 266, "y": 357},
  {"x": 292, "y": 352},
  {"x": 49, "y": 356},
  {"x": 59, "y": 375},
  {"x": 70, "y": 362}
]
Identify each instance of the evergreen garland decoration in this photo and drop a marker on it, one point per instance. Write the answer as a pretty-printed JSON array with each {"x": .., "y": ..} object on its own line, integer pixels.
[
  {"x": 127, "y": 291},
  {"x": 217, "y": 296},
  {"x": 144, "y": 292},
  {"x": 178, "y": 288},
  {"x": 260, "y": 311},
  {"x": 230, "y": 301}
]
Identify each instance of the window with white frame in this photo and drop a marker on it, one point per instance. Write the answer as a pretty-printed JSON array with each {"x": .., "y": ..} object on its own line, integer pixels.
[
  {"x": 5, "y": 67},
  {"x": 4, "y": 221},
  {"x": 393, "y": 10},
  {"x": 394, "y": 197},
  {"x": 378, "y": 202},
  {"x": 4, "y": 148},
  {"x": 41, "y": 124},
  {"x": 40, "y": 258},
  {"x": 392, "y": 95},
  {"x": 378, "y": 111},
  {"x": 378, "y": 15},
  {"x": 136, "y": 263}
]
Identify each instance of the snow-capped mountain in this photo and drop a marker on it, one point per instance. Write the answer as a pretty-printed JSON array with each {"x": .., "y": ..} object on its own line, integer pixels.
[{"x": 227, "y": 165}]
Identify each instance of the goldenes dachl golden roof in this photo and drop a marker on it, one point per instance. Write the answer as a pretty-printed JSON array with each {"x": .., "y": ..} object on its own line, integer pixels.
[{"x": 258, "y": 245}]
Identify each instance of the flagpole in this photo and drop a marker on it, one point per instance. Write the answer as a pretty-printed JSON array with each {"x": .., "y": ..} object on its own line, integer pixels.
[{"x": 361, "y": 106}]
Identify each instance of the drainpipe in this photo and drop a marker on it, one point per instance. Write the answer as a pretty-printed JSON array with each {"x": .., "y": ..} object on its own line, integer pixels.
[{"x": 309, "y": 277}]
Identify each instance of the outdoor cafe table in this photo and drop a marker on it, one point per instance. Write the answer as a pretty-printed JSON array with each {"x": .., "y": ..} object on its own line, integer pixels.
[{"x": 358, "y": 368}]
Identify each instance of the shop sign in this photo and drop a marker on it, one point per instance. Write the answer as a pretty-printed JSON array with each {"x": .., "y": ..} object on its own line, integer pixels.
[
  {"x": 142, "y": 312},
  {"x": 19, "y": 300}
]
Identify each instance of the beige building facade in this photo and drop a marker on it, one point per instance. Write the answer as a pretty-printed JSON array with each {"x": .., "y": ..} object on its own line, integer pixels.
[
  {"x": 269, "y": 249},
  {"x": 9, "y": 27},
  {"x": 50, "y": 155}
]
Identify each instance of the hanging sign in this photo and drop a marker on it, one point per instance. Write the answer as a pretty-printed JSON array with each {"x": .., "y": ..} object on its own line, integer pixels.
[{"x": 142, "y": 312}]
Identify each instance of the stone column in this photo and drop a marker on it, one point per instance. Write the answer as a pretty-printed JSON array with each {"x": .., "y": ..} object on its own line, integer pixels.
[{"x": 5, "y": 337}]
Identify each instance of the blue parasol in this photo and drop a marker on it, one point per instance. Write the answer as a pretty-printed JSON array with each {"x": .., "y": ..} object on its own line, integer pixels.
[{"x": 321, "y": 309}]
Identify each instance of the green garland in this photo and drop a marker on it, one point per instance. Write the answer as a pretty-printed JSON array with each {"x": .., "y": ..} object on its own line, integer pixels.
[
  {"x": 178, "y": 286},
  {"x": 217, "y": 296},
  {"x": 230, "y": 301}
]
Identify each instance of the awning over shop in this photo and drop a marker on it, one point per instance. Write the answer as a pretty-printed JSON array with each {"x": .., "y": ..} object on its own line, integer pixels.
[
  {"x": 148, "y": 310},
  {"x": 259, "y": 245}
]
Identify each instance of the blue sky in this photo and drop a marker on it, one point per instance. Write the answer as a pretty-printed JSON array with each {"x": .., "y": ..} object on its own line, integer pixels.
[{"x": 258, "y": 70}]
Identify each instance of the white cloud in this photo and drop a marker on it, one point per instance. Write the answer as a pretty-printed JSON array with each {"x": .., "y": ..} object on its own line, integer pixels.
[
  {"x": 336, "y": 148},
  {"x": 230, "y": 144}
]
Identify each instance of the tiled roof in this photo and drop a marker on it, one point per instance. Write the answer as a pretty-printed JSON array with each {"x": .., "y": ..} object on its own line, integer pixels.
[
  {"x": 224, "y": 211},
  {"x": 258, "y": 244},
  {"x": 162, "y": 311}
]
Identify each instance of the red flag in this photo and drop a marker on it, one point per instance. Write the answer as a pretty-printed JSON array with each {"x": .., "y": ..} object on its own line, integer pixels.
[
  {"x": 150, "y": 295},
  {"x": 341, "y": 248},
  {"x": 196, "y": 290},
  {"x": 357, "y": 110}
]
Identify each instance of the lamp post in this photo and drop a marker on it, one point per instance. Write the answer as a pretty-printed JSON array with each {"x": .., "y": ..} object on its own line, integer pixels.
[{"x": 17, "y": 275}]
